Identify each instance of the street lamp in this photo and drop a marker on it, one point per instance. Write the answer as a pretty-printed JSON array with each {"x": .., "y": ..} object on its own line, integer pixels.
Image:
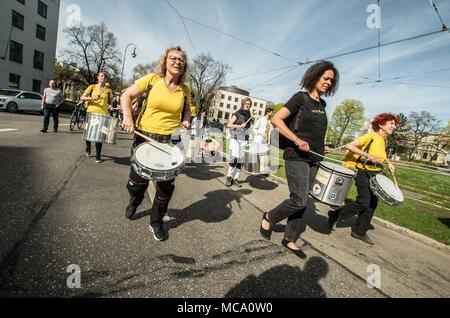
[{"x": 133, "y": 55}]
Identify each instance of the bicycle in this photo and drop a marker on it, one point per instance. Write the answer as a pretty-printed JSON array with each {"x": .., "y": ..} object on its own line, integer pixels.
[{"x": 78, "y": 116}]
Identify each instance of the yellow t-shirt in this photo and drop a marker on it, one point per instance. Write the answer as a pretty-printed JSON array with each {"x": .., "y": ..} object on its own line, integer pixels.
[
  {"x": 377, "y": 149},
  {"x": 100, "y": 106},
  {"x": 193, "y": 110},
  {"x": 163, "y": 109}
]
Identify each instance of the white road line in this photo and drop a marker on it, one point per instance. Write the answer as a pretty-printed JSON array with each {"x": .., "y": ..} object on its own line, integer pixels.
[{"x": 8, "y": 130}]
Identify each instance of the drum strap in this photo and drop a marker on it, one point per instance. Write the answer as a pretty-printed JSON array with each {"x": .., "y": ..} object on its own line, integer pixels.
[{"x": 366, "y": 162}]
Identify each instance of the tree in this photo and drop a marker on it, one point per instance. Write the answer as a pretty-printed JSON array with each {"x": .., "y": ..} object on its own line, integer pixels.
[
  {"x": 399, "y": 138},
  {"x": 142, "y": 70},
  {"x": 447, "y": 129},
  {"x": 422, "y": 124},
  {"x": 277, "y": 107},
  {"x": 205, "y": 77},
  {"x": 347, "y": 119},
  {"x": 92, "y": 49}
]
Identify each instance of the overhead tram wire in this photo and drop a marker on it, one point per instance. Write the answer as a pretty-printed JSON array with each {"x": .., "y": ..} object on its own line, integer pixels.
[
  {"x": 185, "y": 27},
  {"x": 373, "y": 47},
  {"x": 239, "y": 39},
  {"x": 444, "y": 26},
  {"x": 262, "y": 73},
  {"x": 275, "y": 77}
]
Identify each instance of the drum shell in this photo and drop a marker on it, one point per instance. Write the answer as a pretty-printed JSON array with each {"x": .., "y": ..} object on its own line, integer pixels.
[
  {"x": 330, "y": 186},
  {"x": 256, "y": 163},
  {"x": 101, "y": 129},
  {"x": 382, "y": 194}
]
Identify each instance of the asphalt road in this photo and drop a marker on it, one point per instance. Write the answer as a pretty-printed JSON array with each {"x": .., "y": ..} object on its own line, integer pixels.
[{"x": 60, "y": 209}]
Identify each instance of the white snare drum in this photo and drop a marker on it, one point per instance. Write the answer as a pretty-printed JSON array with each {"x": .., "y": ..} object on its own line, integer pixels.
[
  {"x": 101, "y": 128},
  {"x": 332, "y": 184},
  {"x": 156, "y": 161},
  {"x": 256, "y": 159},
  {"x": 385, "y": 189}
]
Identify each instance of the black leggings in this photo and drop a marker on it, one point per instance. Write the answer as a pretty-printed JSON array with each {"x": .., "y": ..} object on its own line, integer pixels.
[
  {"x": 137, "y": 186},
  {"x": 98, "y": 148}
]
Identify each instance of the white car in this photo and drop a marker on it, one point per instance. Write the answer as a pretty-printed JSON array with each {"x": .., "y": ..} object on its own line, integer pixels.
[{"x": 16, "y": 100}]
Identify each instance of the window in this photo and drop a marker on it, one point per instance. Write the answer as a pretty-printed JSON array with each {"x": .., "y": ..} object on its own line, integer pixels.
[
  {"x": 221, "y": 104},
  {"x": 38, "y": 60},
  {"x": 228, "y": 106},
  {"x": 236, "y": 100},
  {"x": 14, "y": 80},
  {"x": 227, "y": 116},
  {"x": 220, "y": 114},
  {"x": 435, "y": 157},
  {"x": 261, "y": 105},
  {"x": 425, "y": 155},
  {"x": 260, "y": 113},
  {"x": 223, "y": 96},
  {"x": 16, "y": 52},
  {"x": 229, "y": 97},
  {"x": 37, "y": 86},
  {"x": 17, "y": 20},
  {"x": 255, "y": 104},
  {"x": 42, "y": 9},
  {"x": 235, "y": 107},
  {"x": 40, "y": 32}
]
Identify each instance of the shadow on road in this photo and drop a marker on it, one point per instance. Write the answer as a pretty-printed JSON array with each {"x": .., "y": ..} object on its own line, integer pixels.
[
  {"x": 285, "y": 281},
  {"x": 260, "y": 182},
  {"x": 215, "y": 208},
  {"x": 203, "y": 172}
]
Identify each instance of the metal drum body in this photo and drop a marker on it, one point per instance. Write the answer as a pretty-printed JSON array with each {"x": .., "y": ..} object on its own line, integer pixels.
[
  {"x": 101, "y": 128},
  {"x": 332, "y": 184},
  {"x": 256, "y": 159},
  {"x": 158, "y": 162},
  {"x": 385, "y": 189}
]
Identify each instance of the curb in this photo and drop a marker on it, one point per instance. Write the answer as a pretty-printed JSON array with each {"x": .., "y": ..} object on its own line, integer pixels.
[{"x": 399, "y": 229}]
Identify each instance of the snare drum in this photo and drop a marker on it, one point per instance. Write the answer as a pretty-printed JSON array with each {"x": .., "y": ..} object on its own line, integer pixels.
[
  {"x": 256, "y": 159},
  {"x": 157, "y": 161},
  {"x": 332, "y": 184},
  {"x": 385, "y": 189},
  {"x": 101, "y": 129}
]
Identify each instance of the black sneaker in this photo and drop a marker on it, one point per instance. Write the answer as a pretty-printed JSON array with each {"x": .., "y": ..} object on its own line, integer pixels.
[
  {"x": 98, "y": 160},
  {"x": 130, "y": 211},
  {"x": 55, "y": 130},
  {"x": 43, "y": 131},
  {"x": 229, "y": 182},
  {"x": 371, "y": 227},
  {"x": 158, "y": 232},
  {"x": 332, "y": 220},
  {"x": 365, "y": 238},
  {"x": 237, "y": 184}
]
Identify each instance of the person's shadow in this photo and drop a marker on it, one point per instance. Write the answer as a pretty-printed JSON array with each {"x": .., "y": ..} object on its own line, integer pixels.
[
  {"x": 215, "y": 208},
  {"x": 260, "y": 182},
  {"x": 203, "y": 172},
  {"x": 285, "y": 281}
]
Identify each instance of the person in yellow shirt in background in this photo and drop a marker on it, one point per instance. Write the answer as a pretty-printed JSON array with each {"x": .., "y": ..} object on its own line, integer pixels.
[
  {"x": 370, "y": 150},
  {"x": 167, "y": 108},
  {"x": 98, "y": 98}
]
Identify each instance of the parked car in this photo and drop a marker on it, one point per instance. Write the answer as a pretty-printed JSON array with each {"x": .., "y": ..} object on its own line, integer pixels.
[{"x": 16, "y": 100}]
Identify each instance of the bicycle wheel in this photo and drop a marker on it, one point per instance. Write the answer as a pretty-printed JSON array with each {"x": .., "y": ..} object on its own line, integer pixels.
[
  {"x": 80, "y": 121},
  {"x": 73, "y": 119}
]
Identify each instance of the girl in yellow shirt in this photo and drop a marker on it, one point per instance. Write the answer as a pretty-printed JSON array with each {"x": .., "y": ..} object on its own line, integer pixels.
[
  {"x": 167, "y": 108},
  {"x": 371, "y": 149},
  {"x": 98, "y": 98}
]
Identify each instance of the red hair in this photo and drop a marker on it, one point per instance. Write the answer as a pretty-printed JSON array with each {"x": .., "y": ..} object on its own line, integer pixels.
[{"x": 382, "y": 119}]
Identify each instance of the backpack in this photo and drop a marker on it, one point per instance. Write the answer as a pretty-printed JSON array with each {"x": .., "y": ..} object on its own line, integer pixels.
[{"x": 293, "y": 126}]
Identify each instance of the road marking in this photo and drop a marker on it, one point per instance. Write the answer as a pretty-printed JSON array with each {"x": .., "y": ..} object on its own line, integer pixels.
[{"x": 8, "y": 130}]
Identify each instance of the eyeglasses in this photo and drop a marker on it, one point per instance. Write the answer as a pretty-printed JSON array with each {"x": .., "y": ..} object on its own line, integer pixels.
[{"x": 173, "y": 60}]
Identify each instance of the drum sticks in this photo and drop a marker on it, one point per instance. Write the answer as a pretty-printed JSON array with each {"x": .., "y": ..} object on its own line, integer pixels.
[{"x": 151, "y": 142}]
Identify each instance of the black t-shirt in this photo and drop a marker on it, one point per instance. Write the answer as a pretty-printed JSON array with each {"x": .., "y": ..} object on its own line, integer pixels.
[
  {"x": 242, "y": 116},
  {"x": 311, "y": 127}
]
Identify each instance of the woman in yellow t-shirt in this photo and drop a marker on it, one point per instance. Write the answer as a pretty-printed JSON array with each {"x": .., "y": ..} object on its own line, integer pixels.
[
  {"x": 98, "y": 98},
  {"x": 371, "y": 149},
  {"x": 166, "y": 109}
]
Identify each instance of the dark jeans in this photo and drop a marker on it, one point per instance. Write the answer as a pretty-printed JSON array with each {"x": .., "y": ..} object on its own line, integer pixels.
[
  {"x": 137, "y": 186},
  {"x": 51, "y": 110},
  {"x": 364, "y": 206},
  {"x": 98, "y": 148},
  {"x": 300, "y": 176}
]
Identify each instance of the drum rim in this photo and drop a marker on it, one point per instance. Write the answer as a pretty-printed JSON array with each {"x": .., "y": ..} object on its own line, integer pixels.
[
  {"x": 397, "y": 200},
  {"x": 321, "y": 165}
]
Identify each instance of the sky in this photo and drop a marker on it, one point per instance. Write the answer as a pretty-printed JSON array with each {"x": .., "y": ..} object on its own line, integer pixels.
[{"x": 277, "y": 34}]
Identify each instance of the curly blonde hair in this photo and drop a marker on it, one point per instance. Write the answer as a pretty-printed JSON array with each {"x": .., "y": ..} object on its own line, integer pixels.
[{"x": 162, "y": 68}]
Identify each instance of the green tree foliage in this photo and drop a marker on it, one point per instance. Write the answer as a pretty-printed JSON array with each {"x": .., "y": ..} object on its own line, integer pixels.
[
  {"x": 398, "y": 140},
  {"x": 422, "y": 124},
  {"x": 346, "y": 120}
]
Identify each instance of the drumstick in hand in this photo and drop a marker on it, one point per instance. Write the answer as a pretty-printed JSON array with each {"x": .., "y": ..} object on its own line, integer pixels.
[
  {"x": 151, "y": 142},
  {"x": 395, "y": 180}
]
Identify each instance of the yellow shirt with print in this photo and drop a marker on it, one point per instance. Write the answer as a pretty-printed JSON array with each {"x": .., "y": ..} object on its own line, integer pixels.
[
  {"x": 163, "y": 108},
  {"x": 100, "y": 106},
  {"x": 377, "y": 149}
]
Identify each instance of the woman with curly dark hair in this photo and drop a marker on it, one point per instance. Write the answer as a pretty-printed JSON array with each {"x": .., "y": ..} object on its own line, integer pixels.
[
  {"x": 370, "y": 151},
  {"x": 302, "y": 123}
]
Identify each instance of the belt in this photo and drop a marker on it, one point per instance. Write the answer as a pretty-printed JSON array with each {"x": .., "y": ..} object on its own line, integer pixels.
[
  {"x": 370, "y": 164},
  {"x": 164, "y": 139}
]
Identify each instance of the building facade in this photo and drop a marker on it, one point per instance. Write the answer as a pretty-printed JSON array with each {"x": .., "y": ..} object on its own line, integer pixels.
[
  {"x": 228, "y": 101},
  {"x": 28, "y": 35}
]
